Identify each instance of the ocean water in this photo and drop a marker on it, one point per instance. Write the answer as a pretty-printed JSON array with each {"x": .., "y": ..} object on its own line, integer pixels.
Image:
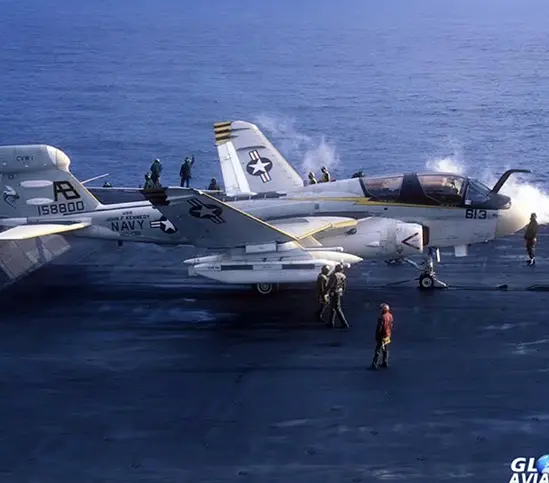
[{"x": 382, "y": 86}]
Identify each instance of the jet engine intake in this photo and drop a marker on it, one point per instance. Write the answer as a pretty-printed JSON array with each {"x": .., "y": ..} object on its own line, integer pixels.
[
  {"x": 408, "y": 239},
  {"x": 380, "y": 238}
]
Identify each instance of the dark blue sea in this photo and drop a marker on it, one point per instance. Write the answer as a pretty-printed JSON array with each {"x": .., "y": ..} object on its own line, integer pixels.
[{"x": 382, "y": 86}]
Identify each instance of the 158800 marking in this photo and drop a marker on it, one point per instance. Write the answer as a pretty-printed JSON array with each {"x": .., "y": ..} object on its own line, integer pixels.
[{"x": 61, "y": 208}]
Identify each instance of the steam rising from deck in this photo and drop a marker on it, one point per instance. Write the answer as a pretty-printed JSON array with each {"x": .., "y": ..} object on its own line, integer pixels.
[
  {"x": 314, "y": 153},
  {"x": 310, "y": 153}
]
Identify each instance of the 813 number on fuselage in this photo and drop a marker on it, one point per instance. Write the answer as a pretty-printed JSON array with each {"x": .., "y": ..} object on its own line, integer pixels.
[{"x": 473, "y": 214}]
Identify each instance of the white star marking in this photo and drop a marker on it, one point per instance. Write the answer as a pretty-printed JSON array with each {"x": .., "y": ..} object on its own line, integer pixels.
[
  {"x": 259, "y": 166},
  {"x": 205, "y": 211},
  {"x": 168, "y": 225}
]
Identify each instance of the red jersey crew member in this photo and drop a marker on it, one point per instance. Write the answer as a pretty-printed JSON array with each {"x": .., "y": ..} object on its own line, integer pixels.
[{"x": 384, "y": 330}]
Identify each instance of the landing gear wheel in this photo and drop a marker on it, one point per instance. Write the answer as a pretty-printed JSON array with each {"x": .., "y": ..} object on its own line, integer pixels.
[
  {"x": 426, "y": 282},
  {"x": 264, "y": 288}
]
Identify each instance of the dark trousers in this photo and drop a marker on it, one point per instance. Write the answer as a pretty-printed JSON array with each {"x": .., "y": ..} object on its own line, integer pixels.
[
  {"x": 382, "y": 350},
  {"x": 185, "y": 181},
  {"x": 531, "y": 247},
  {"x": 321, "y": 309},
  {"x": 335, "y": 307}
]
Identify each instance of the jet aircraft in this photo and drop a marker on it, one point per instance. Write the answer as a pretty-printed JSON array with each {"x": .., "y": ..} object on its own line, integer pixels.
[
  {"x": 40, "y": 196},
  {"x": 268, "y": 228}
]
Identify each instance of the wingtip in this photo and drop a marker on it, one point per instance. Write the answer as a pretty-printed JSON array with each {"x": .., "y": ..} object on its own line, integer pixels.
[
  {"x": 222, "y": 132},
  {"x": 220, "y": 124}
]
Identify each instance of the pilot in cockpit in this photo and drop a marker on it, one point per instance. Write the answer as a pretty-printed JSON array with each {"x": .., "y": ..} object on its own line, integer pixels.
[{"x": 449, "y": 186}]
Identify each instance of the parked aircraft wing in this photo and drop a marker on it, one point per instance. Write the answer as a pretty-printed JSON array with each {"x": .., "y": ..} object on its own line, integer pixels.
[
  {"x": 306, "y": 227},
  {"x": 210, "y": 223},
  {"x": 249, "y": 162},
  {"x": 32, "y": 231}
]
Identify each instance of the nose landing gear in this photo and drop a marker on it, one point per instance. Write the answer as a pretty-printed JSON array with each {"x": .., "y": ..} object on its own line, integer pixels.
[{"x": 428, "y": 279}]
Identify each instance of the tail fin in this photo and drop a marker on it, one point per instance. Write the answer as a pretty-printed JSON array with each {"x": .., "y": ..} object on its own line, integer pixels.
[
  {"x": 249, "y": 162},
  {"x": 35, "y": 181}
]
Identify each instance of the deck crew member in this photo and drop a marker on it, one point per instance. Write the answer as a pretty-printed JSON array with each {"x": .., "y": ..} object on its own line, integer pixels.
[
  {"x": 148, "y": 182},
  {"x": 213, "y": 185},
  {"x": 530, "y": 235},
  {"x": 156, "y": 170},
  {"x": 185, "y": 171},
  {"x": 325, "y": 175},
  {"x": 384, "y": 330},
  {"x": 321, "y": 284},
  {"x": 337, "y": 284}
]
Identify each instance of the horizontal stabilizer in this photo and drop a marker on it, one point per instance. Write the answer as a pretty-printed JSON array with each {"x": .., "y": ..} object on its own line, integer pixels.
[
  {"x": 210, "y": 223},
  {"x": 23, "y": 232}
]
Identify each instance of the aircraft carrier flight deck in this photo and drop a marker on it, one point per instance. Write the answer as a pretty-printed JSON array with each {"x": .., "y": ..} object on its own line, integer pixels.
[{"x": 118, "y": 367}]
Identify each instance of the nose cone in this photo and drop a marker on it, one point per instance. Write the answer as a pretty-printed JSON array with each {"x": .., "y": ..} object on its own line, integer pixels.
[{"x": 512, "y": 220}]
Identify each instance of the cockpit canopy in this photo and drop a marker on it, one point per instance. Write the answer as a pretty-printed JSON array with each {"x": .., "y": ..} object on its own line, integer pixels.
[
  {"x": 444, "y": 188},
  {"x": 431, "y": 188},
  {"x": 386, "y": 189},
  {"x": 477, "y": 192}
]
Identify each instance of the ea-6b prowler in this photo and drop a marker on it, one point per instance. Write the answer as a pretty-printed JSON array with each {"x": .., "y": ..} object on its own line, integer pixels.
[
  {"x": 270, "y": 228},
  {"x": 266, "y": 228}
]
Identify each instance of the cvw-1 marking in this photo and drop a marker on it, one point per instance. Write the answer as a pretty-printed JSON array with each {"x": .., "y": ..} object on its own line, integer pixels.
[
  {"x": 61, "y": 208},
  {"x": 474, "y": 214}
]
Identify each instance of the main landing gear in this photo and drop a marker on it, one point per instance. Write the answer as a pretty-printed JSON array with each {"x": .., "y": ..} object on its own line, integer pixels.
[
  {"x": 428, "y": 279},
  {"x": 265, "y": 288}
]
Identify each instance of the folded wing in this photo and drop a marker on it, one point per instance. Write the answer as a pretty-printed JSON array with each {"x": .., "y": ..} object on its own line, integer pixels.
[
  {"x": 249, "y": 162},
  {"x": 254, "y": 251},
  {"x": 210, "y": 223}
]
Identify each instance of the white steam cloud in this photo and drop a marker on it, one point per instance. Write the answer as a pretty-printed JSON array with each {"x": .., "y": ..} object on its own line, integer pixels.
[
  {"x": 311, "y": 154},
  {"x": 308, "y": 153},
  {"x": 518, "y": 186}
]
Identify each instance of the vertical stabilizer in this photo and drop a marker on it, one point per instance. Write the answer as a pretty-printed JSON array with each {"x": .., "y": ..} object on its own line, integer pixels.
[
  {"x": 35, "y": 180},
  {"x": 249, "y": 162}
]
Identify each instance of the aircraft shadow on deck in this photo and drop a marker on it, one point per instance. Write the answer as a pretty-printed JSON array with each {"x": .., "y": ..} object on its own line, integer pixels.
[{"x": 66, "y": 286}]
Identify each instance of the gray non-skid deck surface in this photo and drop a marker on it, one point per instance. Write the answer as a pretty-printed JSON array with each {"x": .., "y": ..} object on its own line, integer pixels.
[{"x": 119, "y": 368}]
